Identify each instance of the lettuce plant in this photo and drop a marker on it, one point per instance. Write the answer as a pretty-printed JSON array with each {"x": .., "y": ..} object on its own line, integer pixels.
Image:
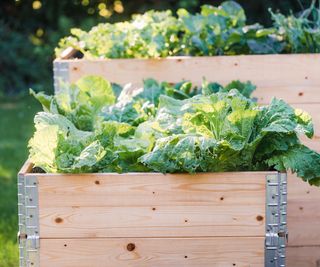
[
  {"x": 218, "y": 30},
  {"x": 95, "y": 126},
  {"x": 221, "y": 30}
]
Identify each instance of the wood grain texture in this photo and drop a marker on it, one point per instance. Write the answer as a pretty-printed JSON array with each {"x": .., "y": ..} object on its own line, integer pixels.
[
  {"x": 156, "y": 221},
  {"x": 303, "y": 256},
  {"x": 291, "y": 77},
  {"x": 26, "y": 168},
  {"x": 303, "y": 213},
  {"x": 122, "y": 190},
  {"x": 150, "y": 252},
  {"x": 152, "y": 205}
]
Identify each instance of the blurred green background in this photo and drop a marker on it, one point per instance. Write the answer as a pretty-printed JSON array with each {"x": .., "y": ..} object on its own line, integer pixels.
[{"x": 29, "y": 31}]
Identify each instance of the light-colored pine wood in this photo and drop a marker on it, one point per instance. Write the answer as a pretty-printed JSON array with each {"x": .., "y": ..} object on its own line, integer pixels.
[
  {"x": 152, "y": 221},
  {"x": 303, "y": 213},
  {"x": 26, "y": 168},
  {"x": 292, "y": 77},
  {"x": 151, "y": 252},
  {"x": 115, "y": 190},
  {"x": 303, "y": 256},
  {"x": 152, "y": 205}
]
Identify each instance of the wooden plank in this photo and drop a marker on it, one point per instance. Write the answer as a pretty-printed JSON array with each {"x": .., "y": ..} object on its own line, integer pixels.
[
  {"x": 26, "y": 168},
  {"x": 291, "y": 77},
  {"x": 152, "y": 205},
  {"x": 156, "y": 221},
  {"x": 303, "y": 256},
  {"x": 313, "y": 143},
  {"x": 202, "y": 189},
  {"x": 150, "y": 252},
  {"x": 303, "y": 213}
]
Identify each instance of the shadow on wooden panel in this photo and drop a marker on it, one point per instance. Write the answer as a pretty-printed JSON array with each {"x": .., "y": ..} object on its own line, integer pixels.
[{"x": 303, "y": 256}]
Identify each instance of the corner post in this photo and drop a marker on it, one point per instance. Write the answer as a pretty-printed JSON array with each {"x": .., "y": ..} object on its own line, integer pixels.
[
  {"x": 28, "y": 236},
  {"x": 276, "y": 220}
]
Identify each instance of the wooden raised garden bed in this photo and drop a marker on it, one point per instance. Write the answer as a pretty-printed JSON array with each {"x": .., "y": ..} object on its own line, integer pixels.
[
  {"x": 294, "y": 78},
  {"x": 151, "y": 219}
]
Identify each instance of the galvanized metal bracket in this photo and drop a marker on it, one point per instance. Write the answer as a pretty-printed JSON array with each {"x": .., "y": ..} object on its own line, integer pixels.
[
  {"x": 60, "y": 74},
  {"x": 276, "y": 220},
  {"x": 28, "y": 206}
]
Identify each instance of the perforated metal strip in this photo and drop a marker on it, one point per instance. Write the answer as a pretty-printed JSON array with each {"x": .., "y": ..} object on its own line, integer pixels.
[
  {"x": 276, "y": 220},
  {"x": 28, "y": 236}
]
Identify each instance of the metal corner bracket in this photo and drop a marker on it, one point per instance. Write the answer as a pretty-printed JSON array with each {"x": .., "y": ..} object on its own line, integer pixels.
[
  {"x": 276, "y": 220},
  {"x": 28, "y": 213}
]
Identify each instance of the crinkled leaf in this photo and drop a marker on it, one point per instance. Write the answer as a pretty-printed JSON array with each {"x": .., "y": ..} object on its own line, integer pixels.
[
  {"x": 43, "y": 146},
  {"x": 245, "y": 89},
  {"x": 191, "y": 153},
  {"x": 44, "y": 99},
  {"x": 95, "y": 91},
  {"x": 266, "y": 45},
  {"x": 235, "y": 11},
  {"x": 304, "y": 123},
  {"x": 89, "y": 157},
  {"x": 277, "y": 117},
  {"x": 299, "y": 159}
]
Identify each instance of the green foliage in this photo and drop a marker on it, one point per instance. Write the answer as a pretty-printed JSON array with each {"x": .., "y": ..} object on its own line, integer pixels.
[
  {"x": 219, "y": 30},
  {"x": 299, "y": 159},
  {"x": 171, "y": 128},
  {"x": 228, "y": 132},
  {"x": 9, "y": 252},
  {"x": 79, "y": 103},
  {"x": 213, "y": 31},
  {"x": 82, "y": 129},
  {"x": 301, "y": 33}
]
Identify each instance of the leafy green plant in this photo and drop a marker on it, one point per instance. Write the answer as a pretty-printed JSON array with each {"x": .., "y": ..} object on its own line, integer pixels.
[
  {"x": 221, "y": 30},
  {"x": 169, "y": 128},
  {"x": 301, "y": 33},
  {"x": 214, "y": 31}
]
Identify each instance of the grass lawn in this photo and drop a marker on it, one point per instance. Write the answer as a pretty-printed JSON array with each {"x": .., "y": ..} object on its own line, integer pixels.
[{"x": 16, "y": 127}]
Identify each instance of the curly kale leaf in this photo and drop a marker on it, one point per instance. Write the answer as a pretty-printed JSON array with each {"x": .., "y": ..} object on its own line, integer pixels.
[{"x": 299, "y": 159}]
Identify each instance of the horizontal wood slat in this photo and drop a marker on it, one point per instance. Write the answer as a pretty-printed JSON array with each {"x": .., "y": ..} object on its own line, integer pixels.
[
  {"x": 150, "y": 252},
  {"x": 152, "y": 205},
  {"x": 303, "y": 256},
  {"x": 202, "y": 189},
  {"x": 292, "y": 77},
  {"x": 152, "y": 221}
]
